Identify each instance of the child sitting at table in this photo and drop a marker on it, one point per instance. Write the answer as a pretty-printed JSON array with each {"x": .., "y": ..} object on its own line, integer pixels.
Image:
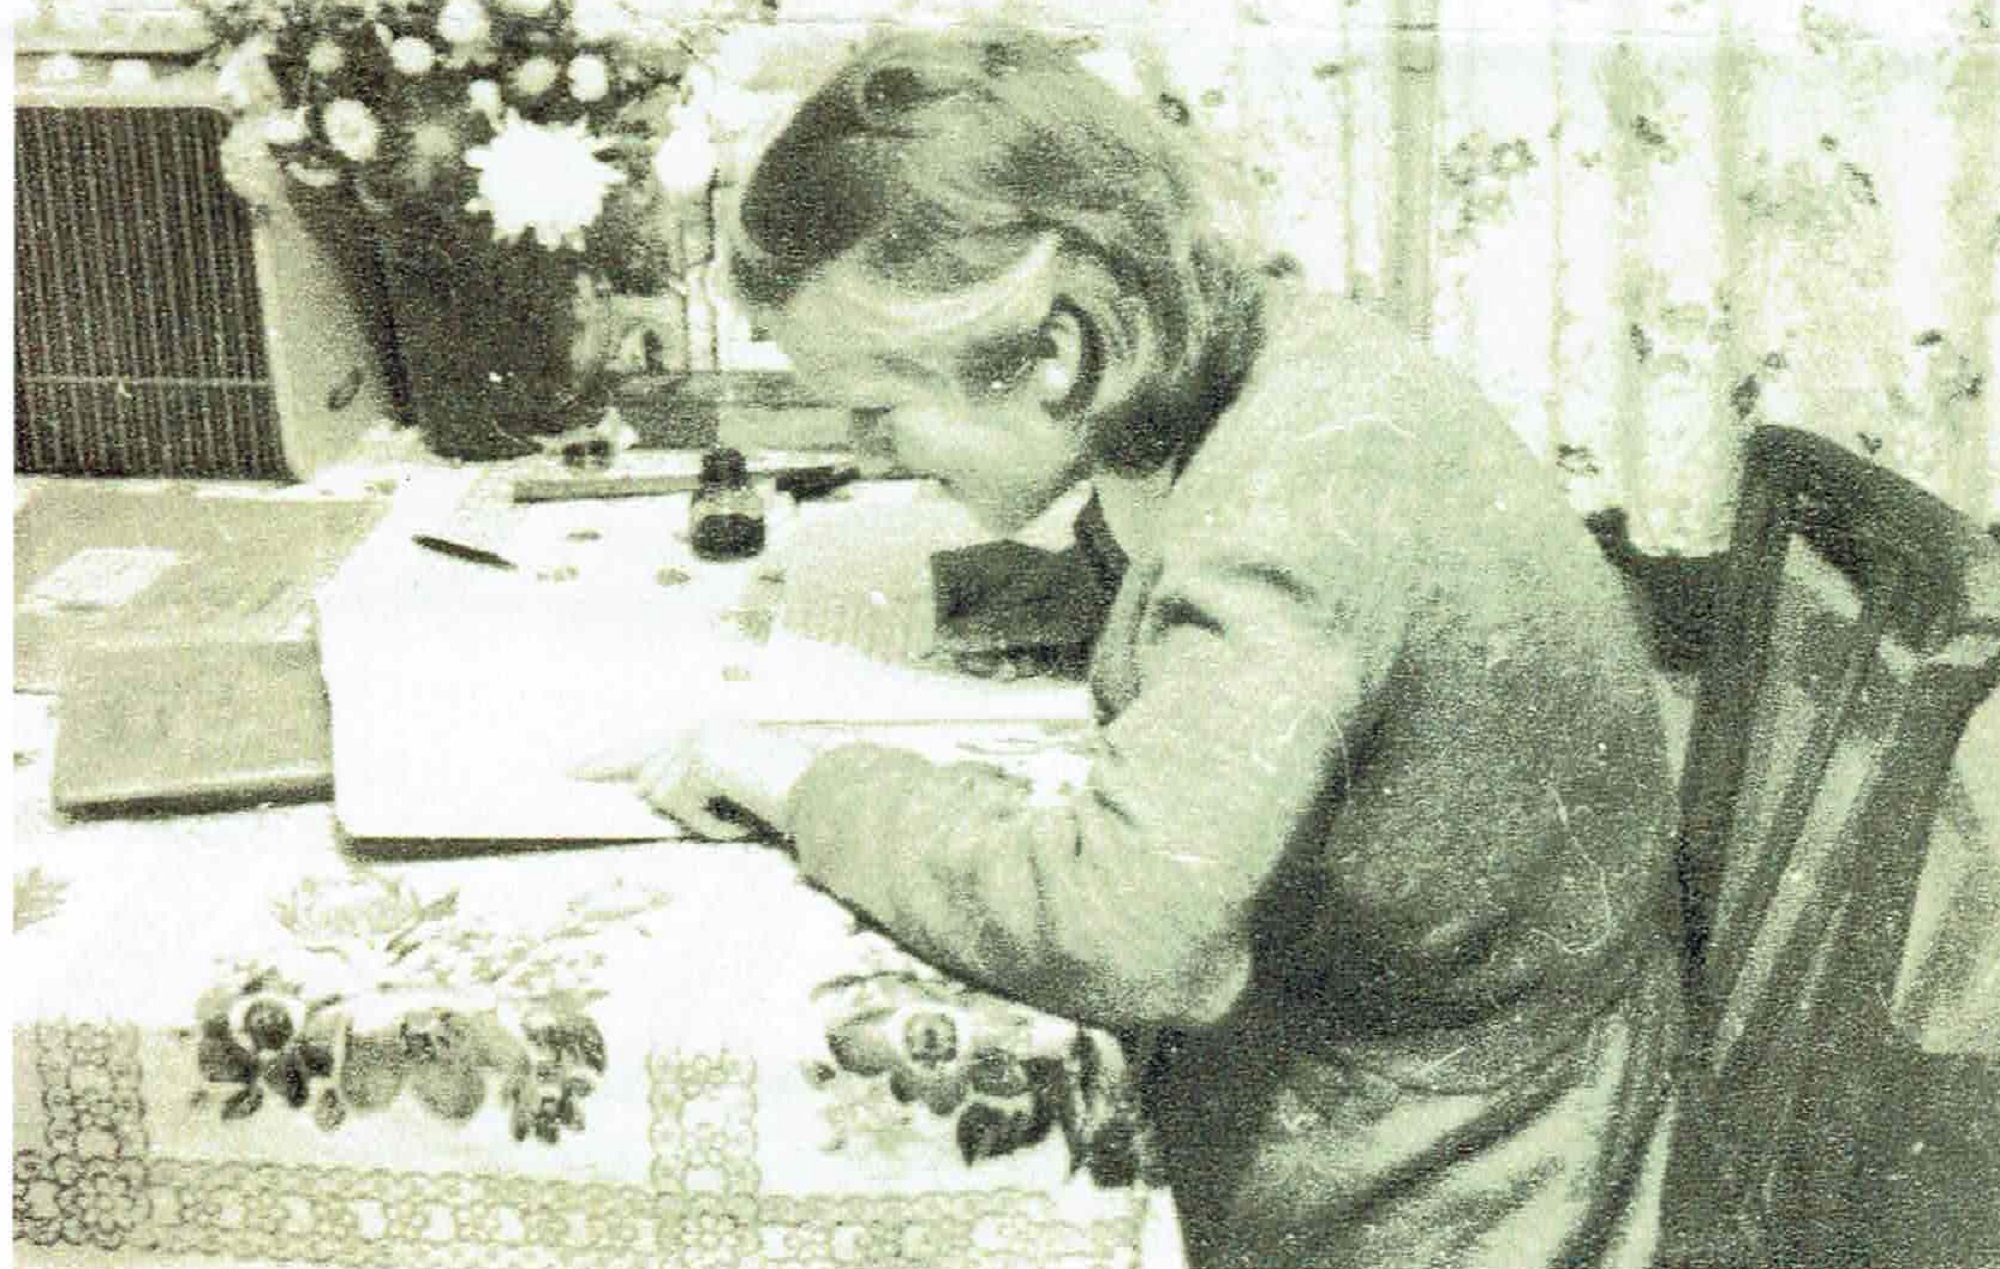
[{"x": 1375, "y": 846}]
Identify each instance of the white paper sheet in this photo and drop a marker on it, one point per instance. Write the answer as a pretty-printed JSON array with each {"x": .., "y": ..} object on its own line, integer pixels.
[{"x": 463, "y": 696}]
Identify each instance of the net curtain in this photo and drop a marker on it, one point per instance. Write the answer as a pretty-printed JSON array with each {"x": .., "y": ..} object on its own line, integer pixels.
[{"x": 1643, "y": 226}]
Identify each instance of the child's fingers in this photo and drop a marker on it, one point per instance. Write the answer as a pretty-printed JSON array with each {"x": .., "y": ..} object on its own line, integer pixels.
[
  {"x": 693, "y": 803},
  {"x": 702, "y": 822},
  {"x": 665, "y": 772}
]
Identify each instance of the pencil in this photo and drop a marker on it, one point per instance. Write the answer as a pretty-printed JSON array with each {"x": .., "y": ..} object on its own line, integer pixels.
[{"x": 460, "y": 551}]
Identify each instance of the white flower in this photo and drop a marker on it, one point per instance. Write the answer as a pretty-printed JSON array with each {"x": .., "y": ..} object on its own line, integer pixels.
[
  {"x": 526, "y": 8},
  {"x": 412, "y": 56},
  {"x": 464, "y": 22},
  {"x": 545, "y": 179},
  {"x": 245, "y": 79},
  {"x": 535, "y": 76},
  {"x": 597, "y": 21},
  {"x": 485, "y": 97},
  {"x": 248, "y": 167},
  {"x": 286, "y": 127},
  {"x": 589, "y": 78},
  {"x": 685, "y": 162},
  {"x": 325, "y": 57},
  {"x": 351, "y": 129}
]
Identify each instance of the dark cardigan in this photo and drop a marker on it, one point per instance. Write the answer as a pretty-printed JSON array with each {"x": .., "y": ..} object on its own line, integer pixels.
[{"x": 1380, "y": 785}]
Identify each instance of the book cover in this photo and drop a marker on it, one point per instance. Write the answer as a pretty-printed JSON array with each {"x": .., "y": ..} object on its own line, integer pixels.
[
  {"x": 110, "y": 562},
  {"x": 179, "y": 725}
]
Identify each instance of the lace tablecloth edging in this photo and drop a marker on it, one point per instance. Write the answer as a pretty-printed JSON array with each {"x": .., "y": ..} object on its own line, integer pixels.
[
  {"x": 91, "y": 1180},
  {"x": 393, "y": 1015}
]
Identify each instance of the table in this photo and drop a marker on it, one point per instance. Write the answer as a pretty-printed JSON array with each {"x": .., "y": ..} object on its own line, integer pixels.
[{"x": 237, "y": 1038}]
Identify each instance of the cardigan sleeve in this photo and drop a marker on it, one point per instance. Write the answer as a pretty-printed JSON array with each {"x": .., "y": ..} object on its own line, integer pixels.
[{"x": 1261, "y": 660}]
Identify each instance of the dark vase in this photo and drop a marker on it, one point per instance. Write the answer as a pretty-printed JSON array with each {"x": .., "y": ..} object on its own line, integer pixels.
[{"x": 486, "y": 334}]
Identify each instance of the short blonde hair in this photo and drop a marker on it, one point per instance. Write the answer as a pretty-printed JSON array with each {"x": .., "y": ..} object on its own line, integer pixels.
[{"x": 940, "y": 160}]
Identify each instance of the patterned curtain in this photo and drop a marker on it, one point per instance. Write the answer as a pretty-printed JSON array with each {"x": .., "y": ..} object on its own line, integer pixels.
[{"x": 1642, "y": 225}]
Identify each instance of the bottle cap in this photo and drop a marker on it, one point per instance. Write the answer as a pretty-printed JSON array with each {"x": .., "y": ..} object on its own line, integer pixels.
[{"x": 725, "y": 467}]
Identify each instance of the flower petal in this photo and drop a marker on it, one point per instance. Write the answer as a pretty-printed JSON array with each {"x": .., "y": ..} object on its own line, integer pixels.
[
  {"x": 244, "y": 1103},
  {"x": 451, "y": 1090},
  {"x": 373, "y": 1073},
  {"x": 223, "y": 1061}
]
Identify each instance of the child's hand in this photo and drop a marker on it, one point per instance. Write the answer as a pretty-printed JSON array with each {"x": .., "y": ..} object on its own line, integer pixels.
[{"x": 722, "y": 781}]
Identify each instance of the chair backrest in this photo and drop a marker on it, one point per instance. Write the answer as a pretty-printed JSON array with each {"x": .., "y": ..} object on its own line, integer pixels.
[{"x": 1855, "y": 629}]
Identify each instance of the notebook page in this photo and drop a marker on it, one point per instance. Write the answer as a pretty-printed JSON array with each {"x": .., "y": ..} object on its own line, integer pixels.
[
  {"x": 462, "y": 696},
  {"x": 458, "y": 713}
]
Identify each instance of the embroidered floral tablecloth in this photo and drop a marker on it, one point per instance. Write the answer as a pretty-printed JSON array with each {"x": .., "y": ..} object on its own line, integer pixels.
[{"x": 235, "y": 1041}]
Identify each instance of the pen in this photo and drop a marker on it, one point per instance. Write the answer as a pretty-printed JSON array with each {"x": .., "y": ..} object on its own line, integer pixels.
[{"x": 460, "y": 551}]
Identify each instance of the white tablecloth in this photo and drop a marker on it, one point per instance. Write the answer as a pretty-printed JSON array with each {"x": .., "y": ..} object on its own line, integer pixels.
[
  {"x": 235, "y": 1040},
  {"x": 238, "y": 1038}
]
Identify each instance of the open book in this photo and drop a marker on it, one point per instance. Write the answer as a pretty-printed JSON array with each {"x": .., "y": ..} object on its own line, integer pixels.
[{"x": 461, "y": 696}]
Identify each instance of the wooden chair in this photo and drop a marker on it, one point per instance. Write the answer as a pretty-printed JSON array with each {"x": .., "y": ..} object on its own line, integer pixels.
[{"x": 1854, "y": 627}]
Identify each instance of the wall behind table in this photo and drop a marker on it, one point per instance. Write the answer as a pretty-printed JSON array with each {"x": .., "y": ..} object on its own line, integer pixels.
[{"x": 1642, "y": 225}]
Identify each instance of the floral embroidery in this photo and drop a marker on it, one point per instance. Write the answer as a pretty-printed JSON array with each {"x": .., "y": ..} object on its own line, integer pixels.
[
  {"x": 97, "y": 1183},
  {"x": 37, "y": 897},
  {"x": 1006, "y": 1076},
  {"x": 395, "y": 997},
  {"x": 1479, "y": 174}
]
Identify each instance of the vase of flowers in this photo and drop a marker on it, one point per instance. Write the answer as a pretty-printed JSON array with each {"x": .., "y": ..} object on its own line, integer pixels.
[{"x": 507, "y": 162}]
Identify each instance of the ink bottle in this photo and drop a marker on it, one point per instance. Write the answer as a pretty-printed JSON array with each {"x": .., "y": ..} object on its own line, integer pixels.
[{"x": 726, "y": 518}]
